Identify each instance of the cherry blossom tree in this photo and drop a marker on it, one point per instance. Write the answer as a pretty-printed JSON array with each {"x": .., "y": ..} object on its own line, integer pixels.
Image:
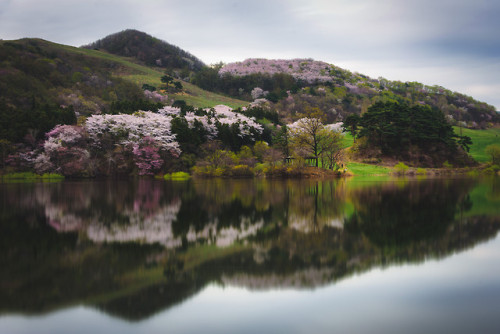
[
  {"x": 65, "y": 151},
  {"x": 147, "y": 157},
  {"x": 130, "y": 129}
]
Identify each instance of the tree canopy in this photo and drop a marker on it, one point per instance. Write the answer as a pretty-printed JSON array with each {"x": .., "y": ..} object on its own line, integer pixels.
[{"x": 400, "y": 130}]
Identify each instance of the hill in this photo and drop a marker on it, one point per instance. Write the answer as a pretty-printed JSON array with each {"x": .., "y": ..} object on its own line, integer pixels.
[
  {"x": 40, "y": 79},
  {"x": 296, "y": 84},
  {"x": 148, "y": 50},
  {"x": 44, "y": 83}
]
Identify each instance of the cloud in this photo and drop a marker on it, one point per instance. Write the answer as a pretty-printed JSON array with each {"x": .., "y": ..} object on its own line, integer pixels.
[{"x": 396, "y": 39}]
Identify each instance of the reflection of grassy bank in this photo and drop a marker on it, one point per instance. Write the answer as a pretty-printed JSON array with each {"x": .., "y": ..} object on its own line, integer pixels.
[{"x": 485, "y": 198}]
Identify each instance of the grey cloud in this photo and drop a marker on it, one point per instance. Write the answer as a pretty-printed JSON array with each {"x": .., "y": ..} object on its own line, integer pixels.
[{"x": 426, "y": 37}]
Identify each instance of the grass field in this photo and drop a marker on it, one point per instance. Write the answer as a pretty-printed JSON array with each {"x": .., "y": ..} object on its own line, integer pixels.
[
  {"x": 139, "y": 74},
  {"x": 197, "y": 97},
  {"x": 480, "y": 139},
  {"x": 348, "y": 140},
  {"x": 362, "y": 169}
]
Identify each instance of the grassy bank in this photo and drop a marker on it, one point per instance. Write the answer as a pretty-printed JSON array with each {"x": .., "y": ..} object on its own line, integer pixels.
[
  {"x": 361, "y": 169},
  {"x": 480, "y": 140},
  {"x": 31, "y": 177}
]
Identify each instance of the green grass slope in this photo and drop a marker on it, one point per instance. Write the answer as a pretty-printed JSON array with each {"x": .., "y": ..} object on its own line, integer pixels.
[
  {"x": 480, "y": 140},
  {"x": 35, "y": 70}
]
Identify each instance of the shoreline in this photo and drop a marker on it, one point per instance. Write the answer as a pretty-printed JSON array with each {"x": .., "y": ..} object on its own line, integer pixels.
[{"x": 304, "y": 173}]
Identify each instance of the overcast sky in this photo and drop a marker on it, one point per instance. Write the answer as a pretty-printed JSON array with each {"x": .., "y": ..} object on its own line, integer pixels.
[{"x": 452, "y": 43}]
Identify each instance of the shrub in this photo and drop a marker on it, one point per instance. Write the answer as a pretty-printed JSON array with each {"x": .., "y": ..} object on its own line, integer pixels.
[
  {"x": 241, "y": 171},
  {"x": 421, "y": 171},
  {"x": 29, "y": 176},
  {"x": 446, "y": 164},
  {"x": 400, "y": 168},
  {"x": 177, "y": 176},
  {"x": 493, "y": 169},
  {"x": 493, "y": 151}
]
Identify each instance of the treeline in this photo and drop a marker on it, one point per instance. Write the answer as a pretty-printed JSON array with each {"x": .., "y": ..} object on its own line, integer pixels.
[
  {"x": 31, "y": 124},
  {"x": 276, "y": 85}
]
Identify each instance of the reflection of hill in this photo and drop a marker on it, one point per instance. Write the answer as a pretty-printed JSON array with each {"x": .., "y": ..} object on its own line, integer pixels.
[
  {"x": 111, "y": 246},
  {"x": 337, "y": 262}
]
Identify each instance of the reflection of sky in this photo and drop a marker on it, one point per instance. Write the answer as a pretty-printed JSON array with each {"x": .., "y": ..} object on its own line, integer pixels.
[{"x": 460, "y": 294}]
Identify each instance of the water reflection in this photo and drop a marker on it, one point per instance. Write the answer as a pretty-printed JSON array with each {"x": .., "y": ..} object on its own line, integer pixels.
[{"x": 132, "y": 249}]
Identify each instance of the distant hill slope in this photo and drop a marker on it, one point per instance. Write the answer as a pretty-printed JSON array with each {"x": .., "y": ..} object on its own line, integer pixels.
[
  {"x": 42, "y": 83},
  {"x": 147, "y": 49},
  {"x": 338, "y": 91},
  {"x": 42, "y": 72}
]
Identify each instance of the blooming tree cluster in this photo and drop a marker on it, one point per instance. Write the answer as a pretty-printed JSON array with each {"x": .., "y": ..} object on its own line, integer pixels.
[
  {"x": 142, "y": 143},
  {"x": 307, "y": 70},
  {"x": 155, "y": 96},
  {"x": 64, "y": 151},
  {"x": 220, "y": 114},
  {"x": 258, "y": 92},
  {"x": 225, "y": 115},
  {"x": 131, "y": 129},
  {"x": 335, "y": 127}
]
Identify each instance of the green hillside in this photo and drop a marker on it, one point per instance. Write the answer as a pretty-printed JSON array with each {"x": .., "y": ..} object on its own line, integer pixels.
[
  {"x": 43, "y": 83},
  {"x": 480, "y": 139},
  {"x": 295, "y": 85}
]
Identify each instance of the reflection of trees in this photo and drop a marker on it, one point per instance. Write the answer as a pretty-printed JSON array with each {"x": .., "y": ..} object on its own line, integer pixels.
[
  {"x": 290, "y": 230},
  {"x": 396, "y": 217},
  {"x": 315, "y": 204}
]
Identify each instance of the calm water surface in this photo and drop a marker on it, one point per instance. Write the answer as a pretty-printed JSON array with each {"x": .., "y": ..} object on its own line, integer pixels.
[{"x": 251, "y": 256}]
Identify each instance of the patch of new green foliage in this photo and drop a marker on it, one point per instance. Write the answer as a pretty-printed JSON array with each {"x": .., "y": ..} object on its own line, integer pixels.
[
  {"x": 358, "y": 168},
  {"x": 421, "y": 171},
  {"x": 480, "y": 140},
  {"x": 177, "y": 176},
  {"x": 400, "y": 168}
]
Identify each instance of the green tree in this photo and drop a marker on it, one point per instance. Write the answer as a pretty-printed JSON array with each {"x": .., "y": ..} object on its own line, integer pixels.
[
  {"x": 395, "y": 128},
  {"x": 331, "y": 148},
  {"x": 310, "y": 136},
  {"x": 281, "y": 140},
  {"x": 178, "y": 85},
  {"x": 493, "y": 151},
  {"x": 260, "y": 148},
  {"x": 351, "y": 124},
  {"x": 167, "y": 79}
]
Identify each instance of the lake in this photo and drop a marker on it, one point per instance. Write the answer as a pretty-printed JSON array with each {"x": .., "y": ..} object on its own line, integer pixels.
[{"x": 356, "y": 255}]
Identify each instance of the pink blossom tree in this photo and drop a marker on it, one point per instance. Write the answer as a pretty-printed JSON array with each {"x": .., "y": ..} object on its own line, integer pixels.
[{"x": 147, "y": 157}]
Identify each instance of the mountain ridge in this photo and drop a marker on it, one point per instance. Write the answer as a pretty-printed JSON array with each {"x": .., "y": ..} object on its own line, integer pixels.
[
  {"x": 341, "y": 92},
  {"x": 43, "y": 75}
]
